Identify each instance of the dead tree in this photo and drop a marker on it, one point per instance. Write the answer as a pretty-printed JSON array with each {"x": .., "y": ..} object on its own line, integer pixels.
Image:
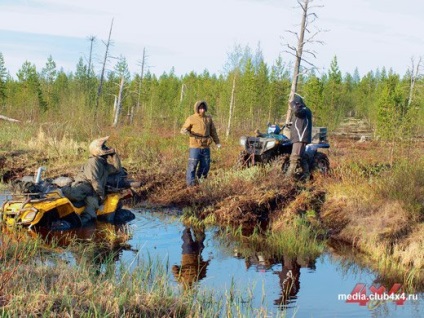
[
  {"x": 143, "y": 62},
  {"x": 12, "y": 120},
  {"x": 299, "y": 51},
  {"x": 102, "y": 75},
  {"x": 232, "y": 104},
  {"x": 415, "y": 73},
  {"x": 118, "y": 103},
  {"x": 91, "y": 38}
]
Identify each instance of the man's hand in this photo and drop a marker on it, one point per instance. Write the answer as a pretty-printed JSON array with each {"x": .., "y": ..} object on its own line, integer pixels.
[{"x": 185, "y": 131}]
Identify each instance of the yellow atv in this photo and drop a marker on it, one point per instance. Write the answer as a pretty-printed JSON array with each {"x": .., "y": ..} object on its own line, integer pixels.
[{"x": 44, "y": 205}]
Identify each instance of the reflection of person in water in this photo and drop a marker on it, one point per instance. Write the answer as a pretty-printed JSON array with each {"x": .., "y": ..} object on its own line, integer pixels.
[
  {"x": 289, "y": 281},
  {"x": 289, "y": 278},
  {"x": 193, "y": 267}
]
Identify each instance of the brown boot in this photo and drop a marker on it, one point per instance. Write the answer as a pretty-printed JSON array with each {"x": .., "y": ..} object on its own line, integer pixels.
[
  {"x": 294, "y": 163},
  {"x": 305, "y": 173}
]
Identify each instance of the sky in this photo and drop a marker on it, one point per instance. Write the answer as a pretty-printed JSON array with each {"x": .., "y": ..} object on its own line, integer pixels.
[{"x": 198, "y": 35}]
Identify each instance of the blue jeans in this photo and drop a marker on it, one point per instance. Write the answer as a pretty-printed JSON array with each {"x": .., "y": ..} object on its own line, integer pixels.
[{"x": 199, "y": 162}]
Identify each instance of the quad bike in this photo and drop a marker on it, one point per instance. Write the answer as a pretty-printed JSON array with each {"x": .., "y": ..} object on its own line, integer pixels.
[
  {"x": 275, "y": 147},
  {"x": 42, "y": 204}
]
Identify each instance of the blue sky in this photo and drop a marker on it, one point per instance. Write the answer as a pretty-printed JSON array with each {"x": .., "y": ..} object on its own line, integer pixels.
[{"x": 194, "y": 35}]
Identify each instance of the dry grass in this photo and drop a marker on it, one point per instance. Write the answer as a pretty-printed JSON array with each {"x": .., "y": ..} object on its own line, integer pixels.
[
  {"x": 377, "y": 206},
  {"x": 371, "y": 199}
]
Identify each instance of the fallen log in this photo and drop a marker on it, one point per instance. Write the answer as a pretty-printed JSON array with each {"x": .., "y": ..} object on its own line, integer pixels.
[{"x": 9, "y": 119}]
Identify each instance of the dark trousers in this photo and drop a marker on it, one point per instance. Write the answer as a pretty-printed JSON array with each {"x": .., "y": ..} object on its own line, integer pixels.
[{"x": 198, "y": 164}]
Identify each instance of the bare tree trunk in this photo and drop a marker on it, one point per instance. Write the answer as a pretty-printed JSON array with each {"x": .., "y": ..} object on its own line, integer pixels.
[
  {"x": 130, "y": 115},
  {"x": 9, "y": 119},
  {"x": 298, "y": 57},
  {"x": 102, "y": 75},
  {"x": 141, "y": 78},
  {"x": 92, "y": 39},
  {"x": 118, "y": 105},
  {"x": 183, "y": 88},
  {"x": 414, "y": 76},
  {"x": 180, "y": 110},
  {"x": 232, "y": 104}
]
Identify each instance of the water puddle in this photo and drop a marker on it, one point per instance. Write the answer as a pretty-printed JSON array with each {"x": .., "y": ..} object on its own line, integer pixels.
[
  {"x": 304, "y": 288},
  {"x": 300, "y": 287}
]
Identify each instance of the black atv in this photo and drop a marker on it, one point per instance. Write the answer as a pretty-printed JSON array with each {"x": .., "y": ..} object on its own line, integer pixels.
[{"x": 273, "y": 146}]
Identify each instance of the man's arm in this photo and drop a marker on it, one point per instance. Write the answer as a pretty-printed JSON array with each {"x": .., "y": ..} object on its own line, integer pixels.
[
  {"x": 186, "y": 129},
  {"x": 96, "y": 175},
  {"x": 214, "y": 134}
]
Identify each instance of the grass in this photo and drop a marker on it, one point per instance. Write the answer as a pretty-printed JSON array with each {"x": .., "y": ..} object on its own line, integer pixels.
[
  {"x": 378, "y": 207},
  {"x": 372, "y": 198},
  {"x": 35, "y": 282}
]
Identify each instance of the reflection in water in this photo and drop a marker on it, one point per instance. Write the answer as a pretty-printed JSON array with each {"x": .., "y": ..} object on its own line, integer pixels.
[
  {"x": 276, "y": 278},
  {"x": 193, "y": 267},
  {"x": 261, "y": 262},
  {"x": 290, "y": 279},
  {"x": 97, "y": 247}
]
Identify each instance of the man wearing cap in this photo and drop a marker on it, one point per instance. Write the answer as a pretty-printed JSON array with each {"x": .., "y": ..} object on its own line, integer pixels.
[{"x": 202, "y": 132}]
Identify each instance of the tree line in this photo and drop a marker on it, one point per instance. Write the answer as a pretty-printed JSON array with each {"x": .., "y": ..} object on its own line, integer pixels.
[{"x": 256, "y": 93}]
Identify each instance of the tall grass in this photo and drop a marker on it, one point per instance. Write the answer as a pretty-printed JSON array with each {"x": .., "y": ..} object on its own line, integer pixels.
[
  {"x": 377, "y": 206},
  {"x": 37, "y": 282}
]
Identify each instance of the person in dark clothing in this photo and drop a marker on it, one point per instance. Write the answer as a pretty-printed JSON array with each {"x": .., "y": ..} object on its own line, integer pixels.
[
  {"x": 300, "y": 135},
  {"x": 90, "y": 183}
]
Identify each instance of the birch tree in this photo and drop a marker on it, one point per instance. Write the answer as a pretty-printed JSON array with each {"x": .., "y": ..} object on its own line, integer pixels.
[
  {"x": 415, "y": 74},
  {"x": 102, "y": 75}
]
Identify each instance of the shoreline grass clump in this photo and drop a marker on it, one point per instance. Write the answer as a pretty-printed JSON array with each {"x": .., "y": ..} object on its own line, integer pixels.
[{"x": 378, "y": 209}]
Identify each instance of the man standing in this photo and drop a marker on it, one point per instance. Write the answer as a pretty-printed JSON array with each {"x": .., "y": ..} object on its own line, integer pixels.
[
  {"x": 202, "y": 132},
  {"x": 301, "y": 135}
]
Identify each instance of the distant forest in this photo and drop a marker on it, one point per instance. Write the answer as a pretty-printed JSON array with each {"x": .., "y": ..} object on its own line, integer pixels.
[{"x": 392, "y": 104}]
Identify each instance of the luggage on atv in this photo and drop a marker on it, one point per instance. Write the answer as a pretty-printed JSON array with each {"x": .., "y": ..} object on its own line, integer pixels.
[
  {"x": 42, "y": 203},
  {"x": 273, "y": 146}
]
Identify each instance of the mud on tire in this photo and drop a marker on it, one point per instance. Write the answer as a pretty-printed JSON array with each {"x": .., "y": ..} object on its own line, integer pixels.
[
  {"x": 282, "y": 162},
  {"x": 243, "y": 160},
  {"x": 321, "y": 163}
]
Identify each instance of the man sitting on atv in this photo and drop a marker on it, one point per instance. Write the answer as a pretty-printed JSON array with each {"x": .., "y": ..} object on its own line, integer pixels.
[{"x": 90, "y": 183}]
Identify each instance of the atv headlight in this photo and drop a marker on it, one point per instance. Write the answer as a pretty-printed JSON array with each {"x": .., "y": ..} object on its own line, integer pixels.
[
  {"x": 270, "y": 144},
  {"x": 29, "y": 216},
  {"x": 243, "y": 141}
]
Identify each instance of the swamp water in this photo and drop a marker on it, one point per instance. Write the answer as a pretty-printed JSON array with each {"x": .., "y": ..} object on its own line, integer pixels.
[{"x": 285, "y": 287}]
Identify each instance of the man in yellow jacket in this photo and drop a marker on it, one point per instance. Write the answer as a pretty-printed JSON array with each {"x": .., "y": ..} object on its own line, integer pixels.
[{"x": 202, "y": 132}]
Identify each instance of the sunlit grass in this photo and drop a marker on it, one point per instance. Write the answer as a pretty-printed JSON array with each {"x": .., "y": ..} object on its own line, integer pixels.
[{"x": 35, "y": 282}]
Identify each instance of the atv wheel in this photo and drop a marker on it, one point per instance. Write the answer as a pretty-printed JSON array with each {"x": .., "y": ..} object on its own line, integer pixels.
[
  {"x": 321, "y": 163},
  {"x": 282, "y": 162},
  {"x": 123, "y": 216},
  {"x": 243, "y": 160}
]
